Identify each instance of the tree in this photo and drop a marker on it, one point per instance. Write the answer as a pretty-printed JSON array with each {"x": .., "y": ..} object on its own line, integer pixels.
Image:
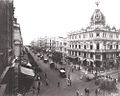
[
  {"x": 108, "y": 85},
  {"x": 57, "y": 57}
]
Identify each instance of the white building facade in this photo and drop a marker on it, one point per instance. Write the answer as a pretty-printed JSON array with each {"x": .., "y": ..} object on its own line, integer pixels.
[
  {"x": 46, "y": 43},
  {"x": 61, "y": 45},
  {"x": 96, "y": 43}
]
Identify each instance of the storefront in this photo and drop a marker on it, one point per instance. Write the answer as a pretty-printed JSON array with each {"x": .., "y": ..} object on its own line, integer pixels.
[{"x": 26, "y": 78}]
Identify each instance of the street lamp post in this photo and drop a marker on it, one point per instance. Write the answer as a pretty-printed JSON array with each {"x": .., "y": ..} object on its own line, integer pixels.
[
  {"x": 105, "y": 64},
  {"x": 18, "y": 68},
  {"x": 68, "y": 69},
  {"x": 105, "y": 55}
]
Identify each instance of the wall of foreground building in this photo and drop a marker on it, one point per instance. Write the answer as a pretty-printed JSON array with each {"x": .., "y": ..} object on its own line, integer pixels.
[{"x": 8, "y": 51}]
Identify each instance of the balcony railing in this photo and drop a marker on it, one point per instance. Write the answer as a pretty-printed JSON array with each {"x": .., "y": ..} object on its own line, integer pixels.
[{"x": 94, "y": 50}]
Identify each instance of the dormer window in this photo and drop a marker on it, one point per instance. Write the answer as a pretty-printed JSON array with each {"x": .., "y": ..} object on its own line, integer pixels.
[{"x": 98, "y": 18}]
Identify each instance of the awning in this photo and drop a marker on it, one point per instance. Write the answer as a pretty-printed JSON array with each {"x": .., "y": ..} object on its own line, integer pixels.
[{"x": 27, "y": 71}]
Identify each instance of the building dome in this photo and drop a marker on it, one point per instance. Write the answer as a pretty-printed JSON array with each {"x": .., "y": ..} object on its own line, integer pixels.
[{"x": 98, "y": 18}]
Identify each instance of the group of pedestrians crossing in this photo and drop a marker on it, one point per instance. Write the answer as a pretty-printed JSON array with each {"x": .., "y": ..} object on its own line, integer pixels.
[
  {"x": 37, "y": 85},
  {"x": 87, "y": 92},
  {"x": 81, "y": 94}
]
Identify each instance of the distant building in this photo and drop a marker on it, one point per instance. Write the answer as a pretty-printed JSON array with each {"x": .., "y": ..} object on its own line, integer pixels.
[
  {"x": 61, "y": 45},
  {"x": 61, "y": 48},
  {"x": 50, "y": 43},
  {"x": 47, "y": 43},
  {"x": 97, "y": 44}
]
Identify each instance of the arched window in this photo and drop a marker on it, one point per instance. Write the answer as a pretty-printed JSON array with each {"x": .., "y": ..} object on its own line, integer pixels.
[
  {"x": 84, "y": 46},
  {"x": 75, "y": 46},
  {"x": 79, "y": 46},
  {"x": 116, "y": 46},
  {"x": 110, "y": 46},
  {"x": 98, "y": 46},
  {"x": 91, "y": 47}
]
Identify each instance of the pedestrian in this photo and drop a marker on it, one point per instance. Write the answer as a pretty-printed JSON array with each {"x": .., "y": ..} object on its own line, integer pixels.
[
  {"x": 96, "y": 92},
  {"x": 38, "y": 88},
  {"x": 115, "y": 81},
  {"x": 58, "y": 84},
  {"x": 45, "y": 75},
  {"x": 70, "y": 82},
  {"x": 86, "y": 92},
  {"x": 46, "y": 82},
  {"x": 33, "y": 88},
  {"x": 39, "y": 83},
  {"x": 68, "y": 76},
  {"x": 77, "y": 92}
]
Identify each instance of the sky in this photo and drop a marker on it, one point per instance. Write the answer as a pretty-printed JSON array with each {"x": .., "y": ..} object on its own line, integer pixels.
[{"x": 40, "y": 18}]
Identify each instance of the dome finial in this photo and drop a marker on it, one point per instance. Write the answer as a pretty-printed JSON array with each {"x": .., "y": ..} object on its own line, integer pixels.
[{"x": 97, "y": 3}]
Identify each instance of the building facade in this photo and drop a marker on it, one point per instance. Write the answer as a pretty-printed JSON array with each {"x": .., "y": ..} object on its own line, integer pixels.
[
  {"x": 98, "y": 44},
  {"x": 6, "y": 46},
  {"x": 17, "y": 39},
  {"x": 47, "y": 43},
  {"x": 50, "y": 43},
  {"x": 6, "y": 33},
  {"x": 61, "y": 45}
]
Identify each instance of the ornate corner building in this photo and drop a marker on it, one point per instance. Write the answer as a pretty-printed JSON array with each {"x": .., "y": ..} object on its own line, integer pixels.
[{"x": 97, "y": 44}]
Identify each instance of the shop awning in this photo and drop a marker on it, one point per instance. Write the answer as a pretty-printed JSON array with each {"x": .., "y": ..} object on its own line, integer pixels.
[{"x": 27, "y": 71}]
